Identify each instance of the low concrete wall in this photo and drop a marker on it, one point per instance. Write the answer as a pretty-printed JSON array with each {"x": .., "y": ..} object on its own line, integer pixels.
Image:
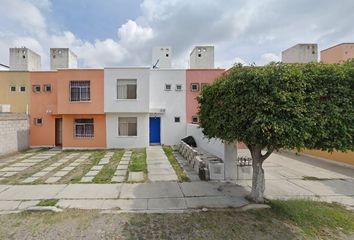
[
  {"x": 213, "y": 146},
  {"x": 14, "y": 132}
]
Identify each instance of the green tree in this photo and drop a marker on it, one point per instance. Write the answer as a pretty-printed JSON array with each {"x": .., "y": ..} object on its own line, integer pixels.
[{"x": 281, "y": 106}]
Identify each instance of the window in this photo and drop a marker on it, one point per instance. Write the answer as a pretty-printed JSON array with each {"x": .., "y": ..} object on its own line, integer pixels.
[
  {"x": 47, "y": 88},
  {"x": 195, "y": 119},
  {"x": 23, "y": 89},
  {"x": 127, "y": 126},
  {"x": 80, "y": 91},
  {"x": 168, "y": 87},
  {"x": 195, "y": 87},
  {"x": 38, "y": 121},
  {"x": 177, "y": 119},
  {"x": 36, "y": 88},
  {"x": 178, "y": 87},
  {"x": 83, "y": 128},
  {"x": 203, "y": 85},
  {"x": 13, "y": 88},
  {"x": 126, "y": 89}
]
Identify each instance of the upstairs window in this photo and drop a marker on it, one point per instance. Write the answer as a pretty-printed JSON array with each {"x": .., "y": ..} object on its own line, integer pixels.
[
  {"x": 168, "y": 87},
  {"x": 83, "y": 128},
  {"x": 80, "y": 91},
  {"x": 47, "y": 88},
  {"x": 178, "y": 87},
  {"x": 36, "y": 88},
  {"x": 12, "y": 88},
  {"x": 23, "y": 89},
  {"x": 38, "y": 121},
  {"x": 195, "y": 119},
  {"x": 177, "y": 119},
  {"x": 195, "y": 87},
  {"x": 126, "y": 89},
  {"x": 127, "y": 126}
]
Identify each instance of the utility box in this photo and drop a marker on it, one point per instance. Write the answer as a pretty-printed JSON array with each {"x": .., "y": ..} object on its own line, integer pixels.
[
  {"x": 62, "y": 58},
  {"x": 161, "y": 57},
  {"x": 216, "y": 170},
  {"x": 300, "y": 53},
  {"x": 202, "y": 57},
  {"x": 24, "y": 59},
  {"x": 5, "y": 108}
]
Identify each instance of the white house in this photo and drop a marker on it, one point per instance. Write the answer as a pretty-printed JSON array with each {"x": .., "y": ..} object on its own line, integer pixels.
[
  {"x": 126, "y": 104},
  {"x": 167, "y": 105}
]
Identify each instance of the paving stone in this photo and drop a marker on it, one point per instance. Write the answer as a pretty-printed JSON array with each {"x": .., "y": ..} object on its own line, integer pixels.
[
  {"x": 9, "y": 174},
  {"x": 151, "y": 190},
  {"x": 30, "y": 179},
  {"x": 74, "y": 164},
  {"x": 27, "y": 204},
  {"x": 22, "y": 164},
  {"x": 200, "y": 189},
  {"x": 31, "y": 192},
  {"x": 105, "y": 204},
  {"x": 136, "y": 176},
  {"x": 86, "y": 179},
  {"x": 91, "y": 173},
  {"x": 53, "y": 179},
  {"x": 60, "y": 174},
  {"x": 103, "y": 161},
  {"x": 124, "y": 162},
  {"x": 167, "y": 204},
  {"x": 94, "y": 191},
  {"x": 48, "y": 169},
  {"x": 125, "y": 158},
  {"x": 96, "y": 168},
  {"x": 162, "y": 177},
  {"x": 14, "y": 169},
  {"x": 122, "y": 167},
  {"x": 118, "y": 179},
  {"x": 40, "y": 174},
  {"x": 56, "y": 165},
  {"x": 9, "y": 205},
  {"x": 120, "y": 172},
  {"x": 68, "y": 169},
  {"x": 215, "y": 202}
]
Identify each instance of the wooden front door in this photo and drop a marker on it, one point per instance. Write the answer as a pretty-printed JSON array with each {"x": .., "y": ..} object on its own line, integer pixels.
[{"x": 58, "y": 132}]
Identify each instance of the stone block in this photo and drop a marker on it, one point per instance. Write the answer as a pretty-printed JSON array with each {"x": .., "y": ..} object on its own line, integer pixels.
[
  {"x": 53, "y": 179},
  {"x": 136, "y": 176},
  {"x": 91, "y": 173},
  {"x": 60, "y": 174},
  {"x": 118, "y": 179},
  {"x": 96, "y": 168}
]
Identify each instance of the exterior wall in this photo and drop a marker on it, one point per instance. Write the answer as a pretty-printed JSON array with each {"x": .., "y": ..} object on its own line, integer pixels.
[
  {"x": 99, "y": 139},
  {"x": 338, "y": 53},
  {"x": 94, "y": 106},
  {"x": 19, "y": 101},
  {"x": 4, "y": 67},
  {"x": 115, "y": 141},
  {"x": 44, "y": 105},
  {"x": 14, "y": 133},
  {"x": 24, "y": 59},
  {"x": 62, "y": 58},
  {"x": 198, "y": 76},
  {"x": 347, "y": 157},
  {"x": 202, "y": 57},
  {"x": 300, "y": 53},
  {"x": 174, "y": 103},
  {"x": 213, "y": 146},
  {"x": 112, "y": 104},
  {"x": 161, "y": 57}
]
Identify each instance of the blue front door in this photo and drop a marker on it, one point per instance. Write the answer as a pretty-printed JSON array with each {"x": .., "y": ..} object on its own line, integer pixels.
[{"x": 155, "y": 130}]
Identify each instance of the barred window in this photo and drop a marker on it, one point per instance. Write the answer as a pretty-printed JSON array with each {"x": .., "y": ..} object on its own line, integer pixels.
[
  {"x": 83, "y": 128},
  {"x": 127, "y": 126},
  {"x": 80, "y": 91},
  {"x": 126, "y": 89}
]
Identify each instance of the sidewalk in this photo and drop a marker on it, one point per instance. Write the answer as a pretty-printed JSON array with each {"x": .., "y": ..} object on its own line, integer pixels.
[
  {"x": 159, "y": 168},
  {"x": 156, "y": 197}
]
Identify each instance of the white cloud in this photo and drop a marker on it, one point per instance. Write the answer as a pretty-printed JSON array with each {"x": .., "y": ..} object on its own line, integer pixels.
[{"x": 268, "y": 58}]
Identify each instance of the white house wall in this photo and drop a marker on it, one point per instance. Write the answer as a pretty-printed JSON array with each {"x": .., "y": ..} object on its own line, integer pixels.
[
  {"x": 174, "y": 103},
  {"x": 114, "y": 105},
  {"x": 116, "y": 141}
]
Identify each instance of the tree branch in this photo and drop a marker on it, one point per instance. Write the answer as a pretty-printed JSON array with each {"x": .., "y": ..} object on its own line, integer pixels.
[{"x": 265, "y": 156}]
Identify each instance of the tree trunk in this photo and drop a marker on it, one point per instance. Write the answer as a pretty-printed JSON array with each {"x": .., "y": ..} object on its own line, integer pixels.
[{"x": 258, "y": 181}]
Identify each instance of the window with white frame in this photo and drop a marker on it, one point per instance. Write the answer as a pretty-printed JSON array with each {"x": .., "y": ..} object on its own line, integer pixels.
[
  {"x": 195, "y": 119},
  {"x": 195, "y": 87},
  {"x": 127, "y": 126},
  {"x": 38, "y": 121},
  {"x": 36, "y": 88},
  {"x": 12, "y": 88},
  {"x": 168, "y": 87},
  {"x": 83, "y": 128},
  {"x": 22, "y": 88},
  {"x": 178, "y": 87},
  {"x": 80, "y": 91},
  {"x": 126, "y": 89},
  {"x": 47, "y": 87}
]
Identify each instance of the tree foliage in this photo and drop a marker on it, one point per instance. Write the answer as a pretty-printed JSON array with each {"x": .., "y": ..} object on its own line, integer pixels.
[{"x": 282, "y": 106}]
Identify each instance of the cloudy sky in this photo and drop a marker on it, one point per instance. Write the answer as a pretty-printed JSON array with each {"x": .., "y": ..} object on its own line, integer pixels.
[{"x": 122, "y": 32}]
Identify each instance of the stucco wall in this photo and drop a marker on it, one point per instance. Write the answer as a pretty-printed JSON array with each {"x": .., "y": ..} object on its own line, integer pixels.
[
  {"x": 300, "y": 53},
  {"x": 214, "y": 146},
  {"x": 338, "y": 53},
  {"x": 19, "y": 101},
  {"x": 112, "y": 104},
  {"x": 174, "y": 103},
  {"x": 14, "y": 133},
  {"x": 115, "y": 141}
]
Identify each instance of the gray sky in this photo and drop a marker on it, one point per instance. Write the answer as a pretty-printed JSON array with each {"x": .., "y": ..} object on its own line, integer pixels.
[{"x": 121, "y": 32}]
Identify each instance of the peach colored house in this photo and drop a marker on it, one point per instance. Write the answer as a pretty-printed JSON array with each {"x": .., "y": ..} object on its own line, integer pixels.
[
  {"x": 67, "y": 109},
  {"x": 338, "y": 53},
  {"x": 195, "y": 80}
]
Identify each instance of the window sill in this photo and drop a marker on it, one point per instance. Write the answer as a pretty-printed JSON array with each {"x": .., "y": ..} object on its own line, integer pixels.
[
  {"x": 80, "y": 101},
  {"x": 126, "y": 136},
  {"x": 128, "y": 100}
]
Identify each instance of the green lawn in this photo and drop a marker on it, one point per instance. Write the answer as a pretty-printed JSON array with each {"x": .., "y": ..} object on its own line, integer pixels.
[
  {"x": 178, "y": 169},
  {"x": 107, "y": 172}
]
